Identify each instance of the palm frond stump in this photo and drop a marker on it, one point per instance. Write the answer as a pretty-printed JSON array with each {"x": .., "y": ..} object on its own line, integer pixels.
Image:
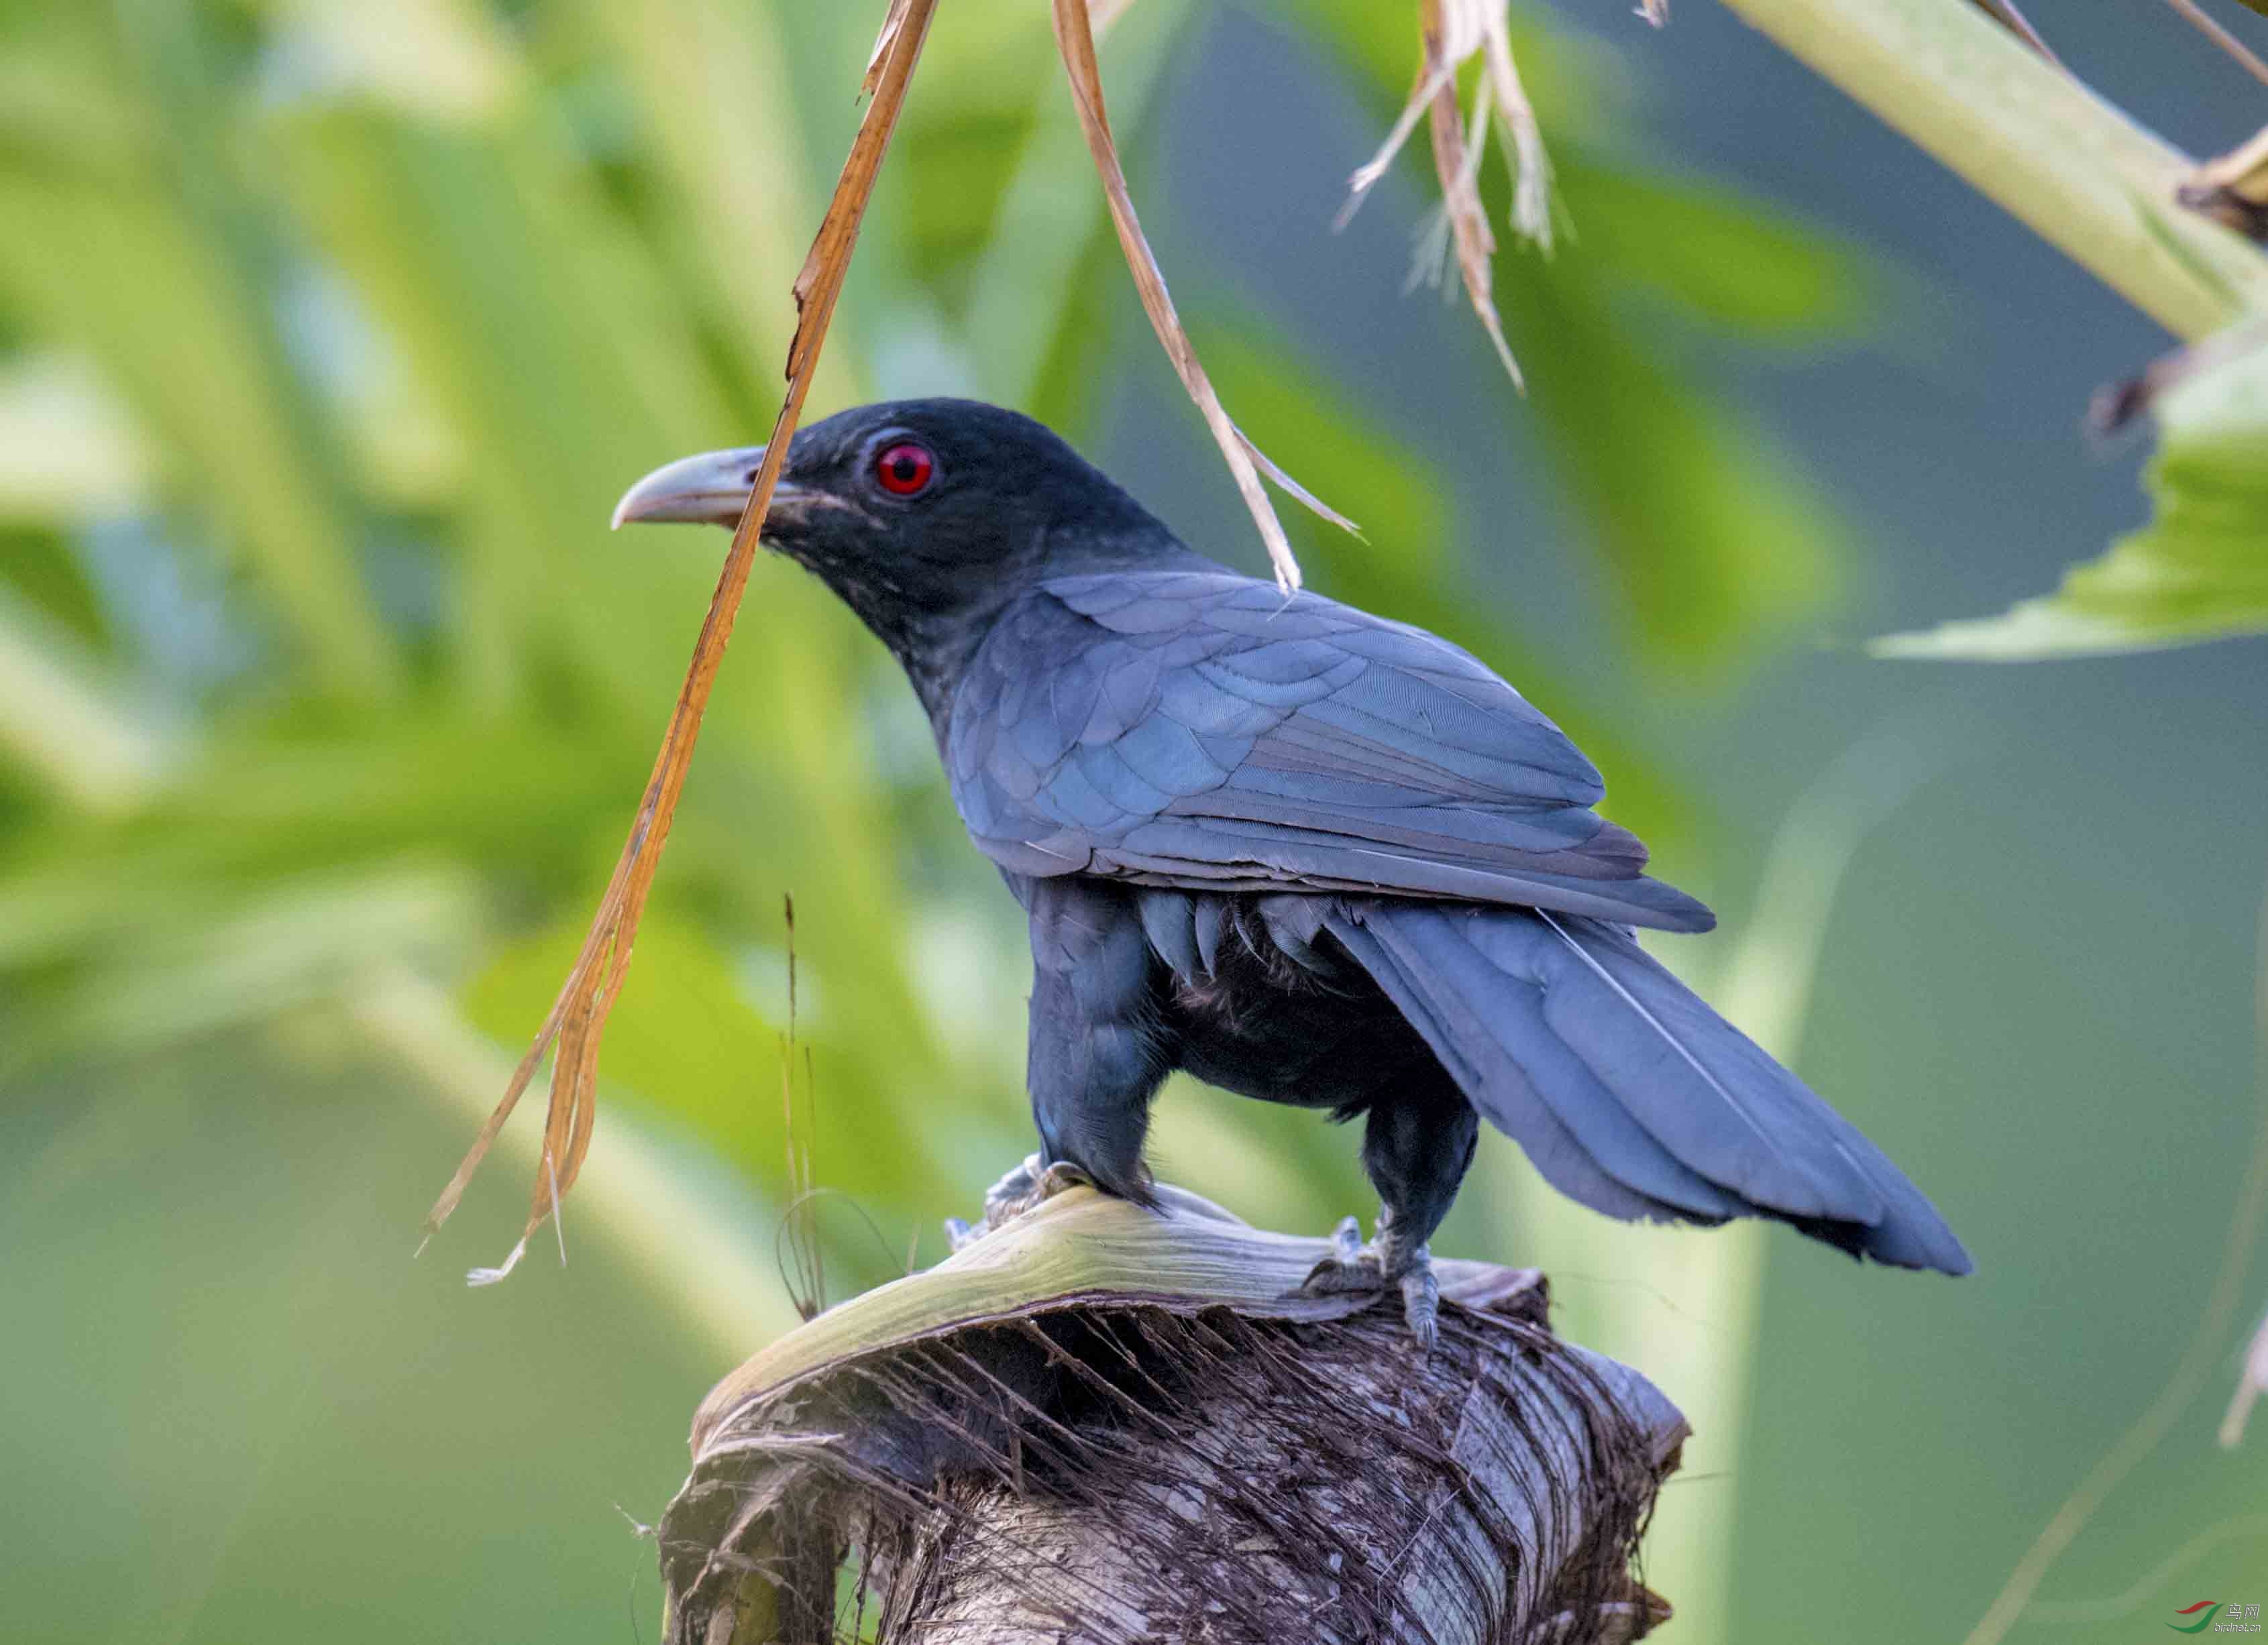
[{"x": 1099, "y": 1423}]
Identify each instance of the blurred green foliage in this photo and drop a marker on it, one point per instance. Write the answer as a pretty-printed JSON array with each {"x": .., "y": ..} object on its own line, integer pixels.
[
  {"x": 2198, "y": 571},
  {"x": 329, "y": 334},
  {"x": 390, "y": 312}
]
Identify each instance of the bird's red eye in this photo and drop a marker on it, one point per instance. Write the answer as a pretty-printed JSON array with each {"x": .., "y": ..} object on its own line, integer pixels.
[{"x": 905, "y": 469}]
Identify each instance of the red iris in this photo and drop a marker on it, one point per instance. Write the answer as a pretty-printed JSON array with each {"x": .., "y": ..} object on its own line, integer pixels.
[{"x": 905, "y": 469}]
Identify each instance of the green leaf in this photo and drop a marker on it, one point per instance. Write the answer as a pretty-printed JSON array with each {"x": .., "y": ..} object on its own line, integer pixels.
[
  {"x": 178, "y": 314},
  {"x": 1715, "y": 253},
  {"x": 250, "y": 960},
  {"x": 1713, "y": 540},
  {"x": 2198, "y": 571},
  {"x": 59, "y": 719}
]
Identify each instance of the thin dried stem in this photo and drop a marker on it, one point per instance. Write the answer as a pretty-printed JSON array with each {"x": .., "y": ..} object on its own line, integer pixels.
[
  {"x": 1531, "y": 197},
  {"x": 1075, "y": 39},
  {"x": 2221, "y": 37},
  {"x": 1432, "y": 79},
  {"x": 578, "y": 1017},
  {"x": 1454, "y": 32},
  {"x": 2189, "y": 1377},
  {"x": 1461, "y": 195},
  {"x": 801, "y": 1248},
  {"x": 2070, "y": 1613},
  {"x": 2006, "y": 14}
]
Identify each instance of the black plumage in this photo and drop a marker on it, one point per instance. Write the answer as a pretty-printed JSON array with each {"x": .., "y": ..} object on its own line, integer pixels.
[{"x": 1309, "y": 855}]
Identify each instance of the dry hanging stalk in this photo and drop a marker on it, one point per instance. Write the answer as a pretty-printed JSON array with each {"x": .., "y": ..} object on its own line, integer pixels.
[
  {"x": 2235, "y": 48},
  {"x": 1454, "y": 32},
  {"x": 799, "y": 1247},
  {"x": 579, "y": 1016},
  {"x": 2232, "y": 189},
  {"x": 1075, "y": 36},
  {"x": 2005, "y": 13}
]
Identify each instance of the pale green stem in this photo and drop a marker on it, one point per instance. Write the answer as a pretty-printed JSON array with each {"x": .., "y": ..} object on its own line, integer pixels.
[{"x": 2035, "y": 141}]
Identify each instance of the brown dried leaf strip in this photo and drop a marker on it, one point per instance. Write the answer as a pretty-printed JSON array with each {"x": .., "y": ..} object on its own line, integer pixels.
[
  {"x": 577, "y": 1018},
  {"x": 879, "y": 60},
  {"x": 2232, "y": 189},
  {"x": 1075, "y": 37},
  {"x": 1454, "y": 32},
  {"x": 1459, "y": 172}
]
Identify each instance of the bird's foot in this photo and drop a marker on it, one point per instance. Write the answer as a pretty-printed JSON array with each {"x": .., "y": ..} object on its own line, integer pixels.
[
  {"x": 1387, "y": 1262},
  {"x": 1349, "y": 1267},
  {"x": 1031, "y": 1183},
  {"x": 1028, "y": 1185}
]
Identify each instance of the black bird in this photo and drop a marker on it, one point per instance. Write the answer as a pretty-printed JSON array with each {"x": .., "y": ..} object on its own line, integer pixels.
[{"x": 1309, "y": 855}]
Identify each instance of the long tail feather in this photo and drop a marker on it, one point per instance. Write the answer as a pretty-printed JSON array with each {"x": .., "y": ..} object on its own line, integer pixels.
[
  {"x": 1627, "y": 1090},
  {"x": 1564, "y": 1162}
]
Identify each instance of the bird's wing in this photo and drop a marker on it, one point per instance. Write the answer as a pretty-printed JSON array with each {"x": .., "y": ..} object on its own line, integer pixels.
[{"x": 1198, "y": 727}]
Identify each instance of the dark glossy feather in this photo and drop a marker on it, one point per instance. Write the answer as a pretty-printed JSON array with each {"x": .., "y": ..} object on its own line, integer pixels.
[
  {"x": 1572, "y": 1039},
  {"x": 1193, "y": 727},
  {"x": 1303, "y": 853}
]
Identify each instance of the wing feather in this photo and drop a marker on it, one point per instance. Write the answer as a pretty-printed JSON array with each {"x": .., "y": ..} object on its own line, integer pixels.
[{"x": 1194, "y": 727}]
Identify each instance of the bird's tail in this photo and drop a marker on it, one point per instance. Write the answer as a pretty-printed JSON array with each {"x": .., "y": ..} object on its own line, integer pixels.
[{"x": 1629, "y": 1093}]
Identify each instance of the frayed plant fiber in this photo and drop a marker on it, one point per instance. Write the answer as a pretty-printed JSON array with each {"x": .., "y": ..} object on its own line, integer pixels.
[{"x": 1118, "y": 1471}]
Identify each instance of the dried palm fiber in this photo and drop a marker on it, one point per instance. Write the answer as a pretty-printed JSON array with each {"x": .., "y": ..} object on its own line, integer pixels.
[{"x": 1094, "y": 1423}]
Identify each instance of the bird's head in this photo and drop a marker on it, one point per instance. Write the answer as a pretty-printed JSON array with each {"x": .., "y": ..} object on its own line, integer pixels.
[{"x": 926, "y": 516}]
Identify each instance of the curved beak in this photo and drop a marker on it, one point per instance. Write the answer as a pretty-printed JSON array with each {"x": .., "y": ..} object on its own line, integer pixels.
[{"x": 712, "y": 489}]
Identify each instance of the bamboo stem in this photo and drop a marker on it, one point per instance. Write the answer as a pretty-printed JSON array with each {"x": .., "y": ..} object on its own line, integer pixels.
[{"x": 2078, "y": 170}]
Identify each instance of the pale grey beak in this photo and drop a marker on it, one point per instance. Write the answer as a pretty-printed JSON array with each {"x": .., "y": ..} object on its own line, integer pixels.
[{"x": 712, "y": 489}]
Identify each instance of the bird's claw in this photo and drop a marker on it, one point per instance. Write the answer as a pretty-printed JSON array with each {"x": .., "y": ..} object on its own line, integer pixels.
[
  {"x": 1421, "y": 1302},
  {"x": 1350, "y": 1268},
  {"x": 1386, "y": 1261},
  {"x": 1029, "y": 1184}
]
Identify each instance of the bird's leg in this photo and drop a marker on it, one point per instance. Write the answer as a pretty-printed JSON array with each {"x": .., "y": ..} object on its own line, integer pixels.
[
  {"x": 1416, "y": 1150},
  {"x": 1099, "y": 1050},
  {"x": 1406, "y": 1265}
]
